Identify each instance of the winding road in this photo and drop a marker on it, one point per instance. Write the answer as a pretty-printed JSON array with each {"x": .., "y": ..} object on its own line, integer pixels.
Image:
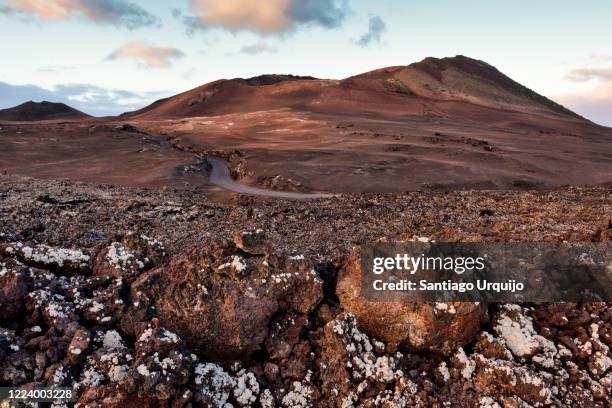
[{"x": 221, "y": 176}]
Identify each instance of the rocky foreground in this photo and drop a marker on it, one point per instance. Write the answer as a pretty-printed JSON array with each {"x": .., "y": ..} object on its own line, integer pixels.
[{"x": 164, "y": 298}]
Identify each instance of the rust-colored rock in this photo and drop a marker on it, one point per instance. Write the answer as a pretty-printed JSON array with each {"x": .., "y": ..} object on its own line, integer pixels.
[
  {"x": 78, "y": 346},
  {"x": 252, "y": 242},
  {"x": 318, "y": 355},
  {"x": 220, "y": 299},
  {"x": 15, "y": 284},
  {"x": 415, "y": 325}
]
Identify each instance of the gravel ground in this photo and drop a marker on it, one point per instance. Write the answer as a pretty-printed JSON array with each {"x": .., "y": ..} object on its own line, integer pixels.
[{"x": 137, "y": 297}]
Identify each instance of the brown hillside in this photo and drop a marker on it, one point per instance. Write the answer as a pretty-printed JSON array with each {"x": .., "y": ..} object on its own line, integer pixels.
[
  {"x": 402, "y": 89},
  {"x": 34, "y": 111}
]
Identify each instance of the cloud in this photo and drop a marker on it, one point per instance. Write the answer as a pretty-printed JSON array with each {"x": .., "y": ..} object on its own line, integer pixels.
[
  {"x": 376, "y": 27},
  {"x": 52, "y": 69},
  {"x": 595, "y": 105},
  {"x": 116, "y": 12},
  {"x": 146, "y": 55},
  {"x": 326, "y": 13},
  {"x": 599, "y": 58},
  {"x": 587, "y": 74},
  {"x": 11, "y": 95},
  {"x": 266, "y": 17},
  {"x": 263, "y": 17},
  {"x": 257, "y": 48},
  {"x": 85, "y": 97}
]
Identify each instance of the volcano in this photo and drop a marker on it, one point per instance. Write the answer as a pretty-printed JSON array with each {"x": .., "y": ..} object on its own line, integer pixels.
[
  {"x": 441, "y": 123},
  {"x": 35, "y": 111},
  {"x": 403, "y": 89}
]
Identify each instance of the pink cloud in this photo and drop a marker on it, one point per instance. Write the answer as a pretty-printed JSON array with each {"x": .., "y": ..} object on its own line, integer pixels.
[
  {"x": 147, "y": 55},
  {"x": 264, "y": 17},
  {"x": 117, "y": 12},
  {"x": 587, "y": 74},
  {"x": 595, "y": 105}
]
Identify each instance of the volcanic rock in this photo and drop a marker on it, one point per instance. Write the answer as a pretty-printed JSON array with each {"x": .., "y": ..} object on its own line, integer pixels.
[
  {"x": 415, "y": 325},
  {"x": 308, "y": 352},
  {"x": 129, "y": 256},
  {"x": 252, "y": 242},
  {"x": 15, "y": 284},
  {"x": 56, "y": 259},
  {"x": 220, "y": 300}
]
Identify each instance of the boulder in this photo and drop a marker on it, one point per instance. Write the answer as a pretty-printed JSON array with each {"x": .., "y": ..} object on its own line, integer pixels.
[
  {"x": 252, "y": 242},
  {"x": 128, "y": 256},
  {"x": 15, "y": 284},
  {"x": 220, "y": 299},
  {"x": 57, "y": 260},
  {"x": 414, "y": 325}
]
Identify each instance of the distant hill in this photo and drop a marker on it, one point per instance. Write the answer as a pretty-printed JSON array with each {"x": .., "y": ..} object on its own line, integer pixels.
[
  {"x": 34, "y": 111},
  {"x": 458, "y": 79},
  {"x": 441, "y": 123},
  {"x": 468, "y": 80}
]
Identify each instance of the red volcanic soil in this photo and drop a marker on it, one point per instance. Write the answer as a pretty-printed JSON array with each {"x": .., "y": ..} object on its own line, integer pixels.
[
  {"x": 437, "y": 124},
  {"x": 440, "y": 123},
  {"x": 401, "y": 89},
  {"x": 95, "y": 153},
  {"x": 35, "y": 111}
]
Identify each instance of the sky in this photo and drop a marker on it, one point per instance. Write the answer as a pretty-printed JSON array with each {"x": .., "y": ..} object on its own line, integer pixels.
[{"x": 110, "y": 56}]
